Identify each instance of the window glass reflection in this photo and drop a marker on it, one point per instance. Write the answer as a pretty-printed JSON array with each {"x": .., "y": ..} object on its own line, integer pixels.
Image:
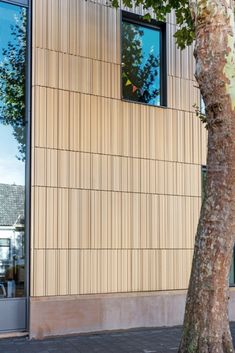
[
  {"x": 141, "y": 63},
  {"x": 12, "y": 149}
]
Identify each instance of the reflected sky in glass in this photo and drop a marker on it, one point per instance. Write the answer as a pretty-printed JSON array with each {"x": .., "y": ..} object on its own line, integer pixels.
[
  {"x": 151, "y": 44},
  {"x": 11, "y": 169}
]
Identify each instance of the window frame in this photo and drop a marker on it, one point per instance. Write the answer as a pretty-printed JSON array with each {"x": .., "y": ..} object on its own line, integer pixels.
[
  {"x": 153, "y": 24},
  {"x": 203, "y": 180}
]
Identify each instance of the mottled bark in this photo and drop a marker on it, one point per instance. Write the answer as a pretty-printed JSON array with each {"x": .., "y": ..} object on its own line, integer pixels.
[{"x": 206, "y": 326}]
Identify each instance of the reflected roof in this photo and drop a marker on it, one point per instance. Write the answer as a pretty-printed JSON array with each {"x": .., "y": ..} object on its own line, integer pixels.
[{"x": 12, "y": 198}]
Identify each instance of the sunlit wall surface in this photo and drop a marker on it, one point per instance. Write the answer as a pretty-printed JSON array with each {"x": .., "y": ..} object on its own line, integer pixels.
[{"x": 12, "y": 149}]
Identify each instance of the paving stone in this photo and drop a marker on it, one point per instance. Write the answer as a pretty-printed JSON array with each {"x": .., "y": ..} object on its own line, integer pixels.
[{"x": 145, "y": 340}]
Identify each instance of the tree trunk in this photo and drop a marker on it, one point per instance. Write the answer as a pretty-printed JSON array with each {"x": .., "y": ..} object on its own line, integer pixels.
[{"x": 206, "y": 326}]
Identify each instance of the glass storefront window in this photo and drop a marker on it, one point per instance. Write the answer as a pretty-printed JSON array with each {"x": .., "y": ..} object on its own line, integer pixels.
[{"x": 13, "y": 43}]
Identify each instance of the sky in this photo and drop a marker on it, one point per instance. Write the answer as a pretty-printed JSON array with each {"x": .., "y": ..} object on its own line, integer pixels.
[{"x": 12, "y": 171}]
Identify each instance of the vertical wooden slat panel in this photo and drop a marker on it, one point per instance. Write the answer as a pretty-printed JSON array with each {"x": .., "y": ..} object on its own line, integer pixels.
[
  {"x": 63, "y": 168},
  {"x": 96, "y": 220},
  {"x": 39, "y": 278},
  {"x": 160, "y": 177},
  {"x": 95, "y": 123},
  {"x": 85, "y": 164},
  {"x": 136, "y": 130},
  {"x": 39, "y": 217},
  {"x": 63, "y": 215},
  {"x": 116, "y": 220},
  {"x": 73, "y": 272},
  {"x": 51, "y": 169},
  {"x": 126, "y": 221},
  {"x": 39, "y": 174},
  {"x": 64, "y": 27},
  {"x": 63, "y": 121},
  {"x": 52, "y": 217},
  {"x": 73, "y": 174},
  {"x": 51, "y": 272},
  {"x": 106, "y": 227},
  {"x": 159, "y": 135},
  {"x": 135, "y": 219},
  {"x": 104, "y": 271},
  {"x": 53, "y": 24},
  {"x": 63, "y": 275},
  {"x": 155, "y": 241},
  {"x": 84, "y": 217},
  {"x": 143, "y": 221},
  {"x": 52, "y": 121},
  {"x": 52, "y": 66},
  {"x": 74, "y": 218},
  {"x": 85, "y": 131},
  {"x": 135, "y": 264},
  {"x": 105, "y": 131},
  {"x": 74, "y": 119},
  {"x": 40, "y": 112}
]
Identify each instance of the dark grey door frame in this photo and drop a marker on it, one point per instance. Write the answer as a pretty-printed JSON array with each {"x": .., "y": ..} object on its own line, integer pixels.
[{"x": 28, "y": 156}]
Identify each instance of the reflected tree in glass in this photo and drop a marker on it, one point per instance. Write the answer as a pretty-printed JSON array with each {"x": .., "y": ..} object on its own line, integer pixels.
[
  {"x": 12, "y": 82},
  {"x": 140, "y": 70}
]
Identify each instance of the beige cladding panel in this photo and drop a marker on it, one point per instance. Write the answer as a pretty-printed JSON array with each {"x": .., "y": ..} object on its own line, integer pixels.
[
  {"x": 79, "y": 170},
  {"x": 74, "y": 218},
  {"x": 182, "y": 94},
  {"x": 116, "y": 186},
  {"x": 85, "y": 123},
  {"x": 78, "y": 27},
  {"x": 180, "y": 62},
  {"x": 67, "y": 272}
]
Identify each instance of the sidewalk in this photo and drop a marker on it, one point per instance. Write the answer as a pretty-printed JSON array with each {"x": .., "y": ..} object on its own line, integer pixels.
[{"x": 152, "y": 340}]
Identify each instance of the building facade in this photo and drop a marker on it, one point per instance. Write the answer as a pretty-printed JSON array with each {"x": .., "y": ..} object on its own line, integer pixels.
[{"x": 113, "y": 175}]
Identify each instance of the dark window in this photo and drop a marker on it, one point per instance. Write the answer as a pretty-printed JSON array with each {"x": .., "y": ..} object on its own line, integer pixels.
[
  {"x": 143, "y": 61},
  {"x": 203, "y": 174},
  {"x": 232, "y": 271}
]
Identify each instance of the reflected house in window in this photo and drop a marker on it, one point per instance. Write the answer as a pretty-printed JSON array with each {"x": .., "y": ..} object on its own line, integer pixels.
[{"x": 11, "y": 239}]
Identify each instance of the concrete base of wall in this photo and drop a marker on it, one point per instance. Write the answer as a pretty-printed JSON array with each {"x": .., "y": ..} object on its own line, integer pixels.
[{"x": 50, "y": 316}]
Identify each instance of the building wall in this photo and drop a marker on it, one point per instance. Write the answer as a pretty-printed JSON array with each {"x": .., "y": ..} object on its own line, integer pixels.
[{"x": 116, "y": 186}]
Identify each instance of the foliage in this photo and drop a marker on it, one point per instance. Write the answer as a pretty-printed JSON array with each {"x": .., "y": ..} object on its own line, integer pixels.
[
  {"x": 12, "y": 83},
  {"x": 138, "y": 71},
  {"x": 201, "y": 115},
  {"x": 186, "y": 33}
]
